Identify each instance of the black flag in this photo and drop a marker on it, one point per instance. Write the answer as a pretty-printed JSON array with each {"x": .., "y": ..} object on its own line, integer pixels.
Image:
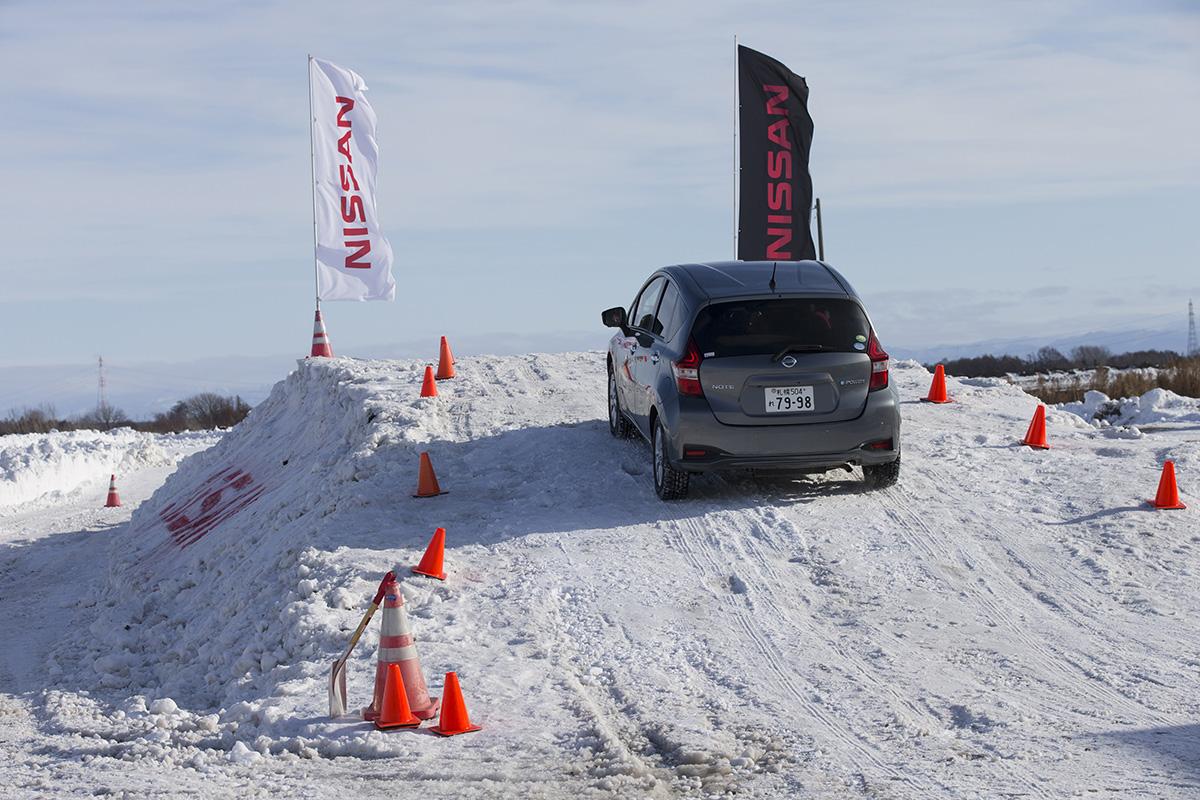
[{"x": 775, "y": 187}]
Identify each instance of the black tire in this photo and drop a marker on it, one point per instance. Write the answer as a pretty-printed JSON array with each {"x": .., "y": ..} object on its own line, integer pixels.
[
  {"x": 881, "y": 476},
  {"x": 618, "y": 424},
  {"x": 669, "y": 483}
]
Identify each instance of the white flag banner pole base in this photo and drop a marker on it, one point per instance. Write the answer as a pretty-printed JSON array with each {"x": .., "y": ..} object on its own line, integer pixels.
[{"x": 353, "y": 257}]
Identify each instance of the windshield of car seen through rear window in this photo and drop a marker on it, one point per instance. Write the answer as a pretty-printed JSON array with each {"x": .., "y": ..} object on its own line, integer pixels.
[{"x": 762, "y": 327}]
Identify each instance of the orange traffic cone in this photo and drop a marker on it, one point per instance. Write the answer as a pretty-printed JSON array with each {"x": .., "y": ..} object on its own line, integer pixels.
[
  {"x": 1168, "y": 492},
  {"x": 937, "y": 389},
  {"x": 431, "y": 562},
  {"x": 396, "y": 713},
  {"x": 114, "y": 499},
  {"x": 445, "y": 362},
  {"x": 1036, "y": 435},
  {"x": 454, "y": 719},
  {"x": 429, "y": 385},
  {"x": 321, "y": 348},
  {"x": 398, "y": 648},
  {"x": 427, "y": 483}
]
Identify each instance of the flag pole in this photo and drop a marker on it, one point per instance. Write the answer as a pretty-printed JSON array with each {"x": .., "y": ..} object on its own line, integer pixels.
[
  {"x": 312, "y": 164},
  {"x": 736, "y": 154},
  {"x": 820, "y": 233}
]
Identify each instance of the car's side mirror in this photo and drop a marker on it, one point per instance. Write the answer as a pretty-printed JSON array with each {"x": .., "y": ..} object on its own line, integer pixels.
[{"x": 614, "y": 318}]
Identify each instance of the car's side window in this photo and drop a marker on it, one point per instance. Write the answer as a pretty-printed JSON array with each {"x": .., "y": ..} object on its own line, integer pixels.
[
  {"x": 666, "y": 322},
  {"x": 647, "y": 305}
]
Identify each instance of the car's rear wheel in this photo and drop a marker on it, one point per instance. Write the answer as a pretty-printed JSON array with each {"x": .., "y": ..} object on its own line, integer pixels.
[
  {"x": 669, "y": 483},
  {"x": 881, "y": 476},
  {"x": 618, "y": 424}
]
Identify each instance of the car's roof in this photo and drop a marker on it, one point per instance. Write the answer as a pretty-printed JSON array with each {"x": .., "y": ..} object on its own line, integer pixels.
[{"x": 717, "y": 279}]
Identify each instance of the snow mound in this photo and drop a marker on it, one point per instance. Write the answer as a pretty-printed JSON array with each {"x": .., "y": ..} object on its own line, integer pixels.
[
  {"x": 1155, "y": 406},
  {"x": 42, "y": 467},
  {"x": 241, "y": 577}
]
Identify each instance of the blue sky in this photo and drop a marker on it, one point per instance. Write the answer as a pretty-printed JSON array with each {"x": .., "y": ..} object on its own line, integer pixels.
[{"x": 987, "y": 170}]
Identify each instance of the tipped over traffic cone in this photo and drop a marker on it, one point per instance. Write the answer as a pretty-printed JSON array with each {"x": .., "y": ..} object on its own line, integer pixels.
[
  {"x": 398, "y": 650},
  {"x": 445, "y": 362},
  {"x": 427, "y": 482},
  {"x": 114, "y": 499},
  {"x": 395, "y": 713},
  {"x": 431, "y": 562},
  {"x": 937, "y": 389},
  {"x": 429, "y": 385},
  {"x": 320, "y": 346},
  {"x": 1168, "y": 492},
  {"x": 454, "y": 719},
  {"x": 1036, "y": 435}
]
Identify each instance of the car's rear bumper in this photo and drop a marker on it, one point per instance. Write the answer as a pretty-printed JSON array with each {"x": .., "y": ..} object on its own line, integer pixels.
[
  {"x": 812, "y": 446},
  {"x": 817, "y": 462}
]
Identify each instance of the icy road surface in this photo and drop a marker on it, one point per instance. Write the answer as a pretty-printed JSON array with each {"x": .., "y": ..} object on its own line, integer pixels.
[{"x": 1003, "y": 623}]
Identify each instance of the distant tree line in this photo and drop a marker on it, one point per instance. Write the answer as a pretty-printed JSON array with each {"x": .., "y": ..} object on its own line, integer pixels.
[
  {"x": 1050, "y": 359},
  {"x": 199, "y": 412},
  {"x": 1115, "y": 375}
]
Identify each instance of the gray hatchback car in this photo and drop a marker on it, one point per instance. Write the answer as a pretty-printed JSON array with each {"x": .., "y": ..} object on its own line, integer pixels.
[{"x": 752, "y": 365}]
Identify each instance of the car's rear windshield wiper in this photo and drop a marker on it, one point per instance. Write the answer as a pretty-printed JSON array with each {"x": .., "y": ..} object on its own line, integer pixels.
[{"x": 800, "y": 348}]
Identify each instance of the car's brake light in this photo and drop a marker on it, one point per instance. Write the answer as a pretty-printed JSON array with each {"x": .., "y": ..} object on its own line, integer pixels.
[
  {"x": 879, "y": 363},
  {"x": 687, "y": 371}
]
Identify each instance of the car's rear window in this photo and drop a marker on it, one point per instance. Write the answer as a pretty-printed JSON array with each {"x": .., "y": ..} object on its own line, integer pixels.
[{"x": 754, "y": 327}]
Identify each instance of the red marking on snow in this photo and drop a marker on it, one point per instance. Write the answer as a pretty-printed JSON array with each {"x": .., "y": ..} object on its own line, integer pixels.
[{"x": 218, "y": 498}]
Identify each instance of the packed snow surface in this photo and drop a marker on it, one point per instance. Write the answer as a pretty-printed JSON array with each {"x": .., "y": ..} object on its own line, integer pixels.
[{"x": 1004, "y": 622}]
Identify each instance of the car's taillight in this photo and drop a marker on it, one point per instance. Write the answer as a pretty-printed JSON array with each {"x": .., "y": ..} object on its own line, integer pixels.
[
  {"x": 879, "y": 363},
  {"x": 687, "y": 371}
]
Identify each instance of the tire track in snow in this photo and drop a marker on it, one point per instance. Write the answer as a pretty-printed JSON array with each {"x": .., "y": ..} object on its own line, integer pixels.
[
  {"x": 859, "y": 752},
  {"x": 897, "y": 502},
  {"x": 600, "y": 710},
  {"x": 1016, "y": 773}
]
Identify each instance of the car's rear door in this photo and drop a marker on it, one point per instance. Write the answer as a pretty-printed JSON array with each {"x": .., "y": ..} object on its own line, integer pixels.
[{"x": 784, "y": 360}]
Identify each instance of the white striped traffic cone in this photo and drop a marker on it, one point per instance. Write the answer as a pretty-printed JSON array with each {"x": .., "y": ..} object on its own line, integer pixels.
[
  {"x": 114, "y": 499},
  {"x": 396, "y": 646},
  {"x": 321, "y": 347}
]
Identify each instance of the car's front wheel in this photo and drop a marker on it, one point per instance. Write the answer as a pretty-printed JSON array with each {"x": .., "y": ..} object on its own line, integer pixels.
[
  {"x": 618, "y": 424},
  {"x": 881, "y": 476},
  {"x": 669, "y": 483}
]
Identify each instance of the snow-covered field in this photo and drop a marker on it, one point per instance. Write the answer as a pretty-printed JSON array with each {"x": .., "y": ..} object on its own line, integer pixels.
[
  {"x": 1063, "y": 379},
  {"x": 1004, "y": 622}
]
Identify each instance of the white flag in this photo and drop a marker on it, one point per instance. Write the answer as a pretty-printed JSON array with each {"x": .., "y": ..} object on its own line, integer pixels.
[{"x": 354, "y": 258}]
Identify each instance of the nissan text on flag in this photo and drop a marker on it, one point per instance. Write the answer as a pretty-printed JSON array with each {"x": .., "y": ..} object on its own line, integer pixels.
[{"x": 352, "y": 257}]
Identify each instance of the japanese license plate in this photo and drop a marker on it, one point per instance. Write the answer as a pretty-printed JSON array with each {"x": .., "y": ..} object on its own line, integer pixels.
[{"x": 789, "y": 398}]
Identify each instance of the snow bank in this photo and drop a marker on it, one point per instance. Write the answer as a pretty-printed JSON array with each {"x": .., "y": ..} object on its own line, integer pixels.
[
  {"x": 43, "y": 466},
  {"x": 242, "y": 576},
  {"x": 1155, "y": 406}
]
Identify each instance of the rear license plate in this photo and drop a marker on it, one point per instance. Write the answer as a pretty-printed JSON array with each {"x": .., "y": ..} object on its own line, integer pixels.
[{"x": 789, "y": 398}]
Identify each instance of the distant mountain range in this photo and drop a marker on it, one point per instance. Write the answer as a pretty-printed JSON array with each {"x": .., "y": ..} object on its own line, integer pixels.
[
  {"x": 143, "y": 389},
  {"x": 1116, "y": 341}
]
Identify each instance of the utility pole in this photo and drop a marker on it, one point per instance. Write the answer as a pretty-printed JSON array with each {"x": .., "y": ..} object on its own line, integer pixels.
[
  {"x": 102, "y": 389},
  {"x": 1193, "y": 346}
]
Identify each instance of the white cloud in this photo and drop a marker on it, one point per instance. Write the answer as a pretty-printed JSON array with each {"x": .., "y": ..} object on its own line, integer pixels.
[{"x": 169, "y": 141}]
